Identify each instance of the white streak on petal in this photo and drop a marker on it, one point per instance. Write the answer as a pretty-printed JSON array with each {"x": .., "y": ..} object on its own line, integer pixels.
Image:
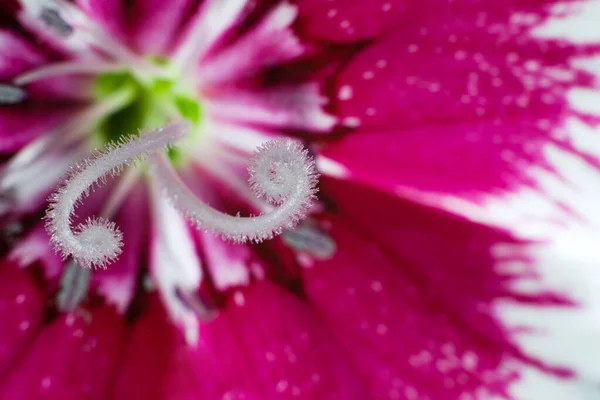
[
  {"x": 27, "y": 181},
  {"x": 297, "y": 107},
  {"x": 577, "y": 22},
  {"x": 271, "y": 42},
  {"x": 36, "y": 247},
  {"x": 329, "y": 167},
  {"x": 560, "y": 335},
  {"x": 536, "y": 385},
  {"x": 226, "y": 262},
  {"x": 213, "y": 20},
  {"x": 585, "y": 100},
  {"x": 565, "y": 201},
  {"x": 239, "y": 137},
  {"x": 174, "y": 263},
  {"x": 11, "y": 44}
]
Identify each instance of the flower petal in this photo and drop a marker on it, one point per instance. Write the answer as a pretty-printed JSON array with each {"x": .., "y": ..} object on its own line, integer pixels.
[
  {"x": 149, "y": 349},
  {"x": 118, "y": 282},
  {"x": 17, "y": 55},
  {"x": 21, "y": 312},
  {"x": 154, "y": 27},
  {"x": 373, "y": 306},
  {"x": 293, "y": 107},
  {"x": 562, "y": 336},
  {"x": 31, "y": 174},
  {"x": 111, "y": 14},
  {"x": 267, "y": 44},
  {"x": 21, "y": 124},
  {"x": 36, "y": 248},
  {"x": 504, "y": 146},
  {"x": 267, "y": 345},
  {"x": 446, "y": 69},
  {"x": 462, "y": 159},
  {"x": 227, "y": 262},
  {"x": 73, "y": 358},
  {"x": 208, "y": 25},
  {"x": 175, "y": 263},
  {"x": 351, "y": 21},
  {"x": 406, "y": 274}
]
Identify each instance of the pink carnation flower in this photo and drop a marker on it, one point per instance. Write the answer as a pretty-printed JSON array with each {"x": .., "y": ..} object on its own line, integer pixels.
[{"x": 451, "y": 253}]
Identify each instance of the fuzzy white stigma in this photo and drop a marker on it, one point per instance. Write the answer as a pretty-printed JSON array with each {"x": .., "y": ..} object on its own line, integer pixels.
[
  {"x": 98, "y": 242},
  {"x": 282, "y": 172}
]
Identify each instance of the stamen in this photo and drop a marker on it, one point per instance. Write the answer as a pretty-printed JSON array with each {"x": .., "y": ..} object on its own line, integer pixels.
[
  {"x": 282, "y": 173},
  {"x": 73, "y": 287},
  {"x": 53, "y": 20},
  {"x": 10, "y": 94},
  {"x": 65, "y": 68},
  {"x": 97, "y": 242},
  {"x": 193, "y": 300},
  {"x": 309, "y": 238}
]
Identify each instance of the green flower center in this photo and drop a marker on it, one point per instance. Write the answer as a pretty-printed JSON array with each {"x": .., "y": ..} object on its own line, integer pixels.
[{"x": 150, "y": 105}]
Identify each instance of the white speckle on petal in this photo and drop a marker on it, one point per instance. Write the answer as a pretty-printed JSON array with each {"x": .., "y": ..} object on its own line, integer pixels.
[
  {"x": 352, "y": 122},
  {"x": 345, "y": 92}
]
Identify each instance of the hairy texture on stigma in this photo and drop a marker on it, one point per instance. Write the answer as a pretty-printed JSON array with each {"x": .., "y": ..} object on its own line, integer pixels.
[
  {"x": 98, "y": 242},
  {"x": 281, "y": 172}
]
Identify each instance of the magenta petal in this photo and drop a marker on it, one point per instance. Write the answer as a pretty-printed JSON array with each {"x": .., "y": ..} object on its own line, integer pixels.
[
  {"x": 117, "y": 284},
  {"x": 17, "y": 55},
  {"x": 267, "y": 345},
  {"x": 111, "y": 14},
  {"x": 398, "y": 329},
  {"x": 460, "y": 159},
  {"x": 21, "y": 313},
  {"x": 146, "y": 361},
  {"x": 21, "y": 124},
  {"x": 155, "y": 25},
  {"x": 347, "y": 21},
  {"x": 449, "y": 67},
  {"x": 36, "y": 247},
  {"x": 290, "y": 106},
  {"x": 270, "y": 42},
  {"x": 73, "y": 358}
]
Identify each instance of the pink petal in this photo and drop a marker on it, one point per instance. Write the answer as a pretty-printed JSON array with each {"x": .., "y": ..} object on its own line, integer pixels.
[
  {"x": 146, "y": 361},
  {"x": 269, "y": 43},
  {"x": 21, "y": 124},
  {"x": 460, "y": 159},
  {"x": 267, "y": 345},
  {"x": 349, "y": 21},
  {"x": 174, "y": 262},
  {"x": 292, "y": 107},
  {"x": 111, "y": 14},
  {"x": 401, "y": 334},
  {"x": 227, "y": 262},
  {"x": 212, "y": 20},
  {"x": 154, "y": 26},
  {"x": 453, "y": 66},
  {"x": 21, "y": 313},
  {"x": 36, "y": 248},
  {"x": 117, "y": 283},
  {"x": 412, "y": 295},
  {"x": 17, "y": 55},
  {"x": 75, "y": 357}
]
